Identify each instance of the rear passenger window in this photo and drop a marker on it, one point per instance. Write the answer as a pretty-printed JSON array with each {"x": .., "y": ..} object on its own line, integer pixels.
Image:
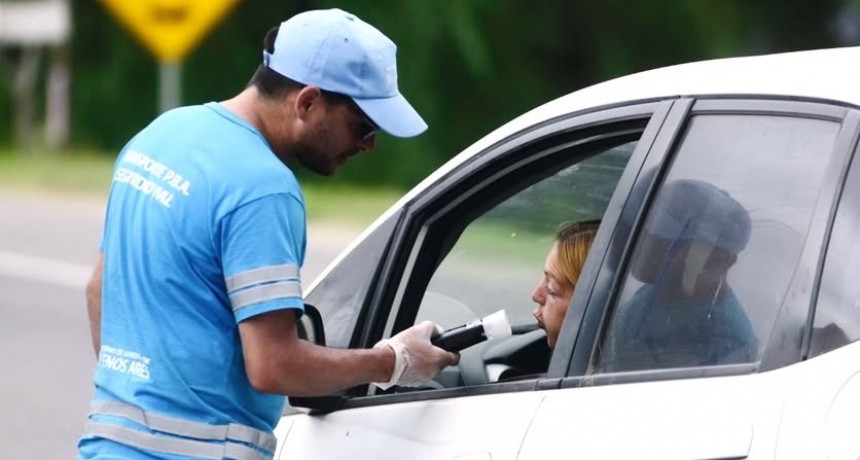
[{"x": 719, "y": 244}]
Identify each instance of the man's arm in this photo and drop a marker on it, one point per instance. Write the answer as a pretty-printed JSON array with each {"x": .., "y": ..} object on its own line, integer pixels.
[
  {"x": 94, "y": 304},
  {"x": 278, "y": 361}
]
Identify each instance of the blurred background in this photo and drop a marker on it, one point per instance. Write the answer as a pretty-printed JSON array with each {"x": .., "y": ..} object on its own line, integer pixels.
[
  {"x": 467, "y": 66},
  {"x": 78, "y": 78}
]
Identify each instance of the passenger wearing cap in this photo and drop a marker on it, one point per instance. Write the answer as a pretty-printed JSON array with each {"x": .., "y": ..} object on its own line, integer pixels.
[
  {"x": 685, "y": 314},
  {"x": 194, "y": 300}
]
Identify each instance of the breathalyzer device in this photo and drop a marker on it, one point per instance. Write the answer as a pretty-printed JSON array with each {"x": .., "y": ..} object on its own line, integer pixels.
[{"x": 494, "y": 326}]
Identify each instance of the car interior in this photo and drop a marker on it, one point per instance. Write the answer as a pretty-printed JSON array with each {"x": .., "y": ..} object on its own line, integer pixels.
[{"x": 491, "y": 255}]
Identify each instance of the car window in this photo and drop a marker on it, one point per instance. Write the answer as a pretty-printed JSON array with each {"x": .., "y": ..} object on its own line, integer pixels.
[
  {"x": 837, "y": 312},
  {"x": 719, "y": 244},
  {"x": 498, "y": 259},
  {"x": 342, "y": 293}
]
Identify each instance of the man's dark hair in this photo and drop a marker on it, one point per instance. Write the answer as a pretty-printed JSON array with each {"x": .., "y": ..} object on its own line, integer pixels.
[{"x": 273, "y": 85}]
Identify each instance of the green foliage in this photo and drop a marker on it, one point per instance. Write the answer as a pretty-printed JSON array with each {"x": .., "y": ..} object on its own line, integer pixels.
[
  {"x": 85, "y": 173},
  {"x": 466, "y": 65}
]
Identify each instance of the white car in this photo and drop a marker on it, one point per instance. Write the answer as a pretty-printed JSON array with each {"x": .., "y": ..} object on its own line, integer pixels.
[{"x": 773, "y": 136}]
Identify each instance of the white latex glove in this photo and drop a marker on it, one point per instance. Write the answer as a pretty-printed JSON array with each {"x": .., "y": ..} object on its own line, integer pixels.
[{"x": 416, "y": 359}]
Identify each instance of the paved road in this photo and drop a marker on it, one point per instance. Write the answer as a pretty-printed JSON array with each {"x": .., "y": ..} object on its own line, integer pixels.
[{"x": 47, "y": 247}]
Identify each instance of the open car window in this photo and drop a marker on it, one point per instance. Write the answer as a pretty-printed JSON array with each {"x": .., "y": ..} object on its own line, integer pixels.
[
  {"x": 486, "y": 252},
  {"x": 498, "y": 260}
]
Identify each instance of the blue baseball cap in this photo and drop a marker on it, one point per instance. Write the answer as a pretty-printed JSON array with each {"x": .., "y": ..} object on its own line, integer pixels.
[{"x": 338, "y": 52}]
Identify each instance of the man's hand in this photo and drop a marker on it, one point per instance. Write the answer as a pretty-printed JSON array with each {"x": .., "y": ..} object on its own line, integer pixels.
[{"x": 416, "y": 359}]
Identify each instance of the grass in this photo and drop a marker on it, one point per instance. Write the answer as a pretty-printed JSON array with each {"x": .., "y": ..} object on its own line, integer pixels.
[
  {"x": 336, "y": 202},
  {"x": 84, "y": 174},
  {"x": 87, "y": 175}
]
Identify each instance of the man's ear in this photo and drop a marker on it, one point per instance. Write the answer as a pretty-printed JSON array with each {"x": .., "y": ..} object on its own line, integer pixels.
[{"x": 309, "y": 98}]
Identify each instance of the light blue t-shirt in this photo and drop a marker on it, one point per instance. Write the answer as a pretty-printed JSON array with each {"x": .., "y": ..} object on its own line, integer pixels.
[{"x": 205, "y": 228}]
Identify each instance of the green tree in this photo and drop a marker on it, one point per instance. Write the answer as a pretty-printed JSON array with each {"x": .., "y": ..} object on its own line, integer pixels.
[{"x": 468, "y": 66}]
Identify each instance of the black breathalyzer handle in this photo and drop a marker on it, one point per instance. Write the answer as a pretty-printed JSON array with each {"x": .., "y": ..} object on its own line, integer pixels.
[{"x": 460, "y": 337}]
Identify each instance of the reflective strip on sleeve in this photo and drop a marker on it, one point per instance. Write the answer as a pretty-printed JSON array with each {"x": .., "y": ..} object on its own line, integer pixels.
[
  {"x": 175, "y": 446},
  {"x": 265, "y": 292},
  {"x": 187, "y": 428},
  {"x": 270, "y": 274}
]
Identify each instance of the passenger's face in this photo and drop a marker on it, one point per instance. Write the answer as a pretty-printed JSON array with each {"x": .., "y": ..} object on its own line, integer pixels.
[
  {"x": 336, "y": 133},
  {"x": 685, "y": 268},
  {"x": 552, "y": 295},
  {"x": 656, "y": 258}
]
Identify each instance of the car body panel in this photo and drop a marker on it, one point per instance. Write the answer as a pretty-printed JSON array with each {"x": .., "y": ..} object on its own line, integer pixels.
[
  {"x": 668, "y": 420},
  {"x": 822, "y": 413},
  {"x": 453, "y": 428},
  {"x": 781, "y": 408},
  {"x": 805, "y": 411}
]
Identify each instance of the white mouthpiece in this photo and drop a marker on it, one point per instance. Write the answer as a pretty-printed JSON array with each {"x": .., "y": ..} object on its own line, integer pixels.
[{"x": 496, "y": 325}]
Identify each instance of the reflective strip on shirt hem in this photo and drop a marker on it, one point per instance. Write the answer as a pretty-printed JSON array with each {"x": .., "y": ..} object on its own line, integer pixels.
[
  {"x": 175, "y": 446},
  {"x": 265, "y": 292},
  {"x": 262, "y": 275},
  {"x": 187, "y": 428}
]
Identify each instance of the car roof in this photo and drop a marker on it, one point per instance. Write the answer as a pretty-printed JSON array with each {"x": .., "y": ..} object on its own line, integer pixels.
[
  {"x": 831, "y": 74},
  {"x": 821, "y": 74}
]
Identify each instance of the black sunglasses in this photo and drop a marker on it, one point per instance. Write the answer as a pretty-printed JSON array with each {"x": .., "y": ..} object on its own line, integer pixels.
[{"x": 367, "y": 128}]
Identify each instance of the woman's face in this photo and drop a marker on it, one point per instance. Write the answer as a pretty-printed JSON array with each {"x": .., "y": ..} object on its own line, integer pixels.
[{"x": 552, "y": 295}]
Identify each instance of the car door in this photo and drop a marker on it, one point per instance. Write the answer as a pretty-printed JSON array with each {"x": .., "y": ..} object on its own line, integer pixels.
[
  {"x": 699, "y": 308},
  {"x": 820, "y": 419},
  {"x": 470, "y": 244}
]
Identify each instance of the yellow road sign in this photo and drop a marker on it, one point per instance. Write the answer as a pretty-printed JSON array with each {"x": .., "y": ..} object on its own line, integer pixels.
[{"x": 169, "y": 28}]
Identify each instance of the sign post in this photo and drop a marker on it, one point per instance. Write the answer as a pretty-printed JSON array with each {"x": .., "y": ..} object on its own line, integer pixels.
[
  {"x": 170, "y": 29},
  {"x": 170, "y": 86},
  {"x": 32, "y": 27}
]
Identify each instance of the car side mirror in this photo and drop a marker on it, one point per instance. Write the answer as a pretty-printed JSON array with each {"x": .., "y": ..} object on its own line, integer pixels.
[{"x": 310, "y": 326}]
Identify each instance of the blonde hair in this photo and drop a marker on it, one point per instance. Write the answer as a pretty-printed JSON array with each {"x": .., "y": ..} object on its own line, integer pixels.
[{"x": 573, "y": 240}]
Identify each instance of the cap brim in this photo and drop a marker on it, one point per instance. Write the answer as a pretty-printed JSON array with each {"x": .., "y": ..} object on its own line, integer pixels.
[{"x": 394, "y": 115}]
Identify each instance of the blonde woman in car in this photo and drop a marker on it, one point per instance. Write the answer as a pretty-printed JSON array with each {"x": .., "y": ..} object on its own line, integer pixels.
[{"x": 561, "y": 271}]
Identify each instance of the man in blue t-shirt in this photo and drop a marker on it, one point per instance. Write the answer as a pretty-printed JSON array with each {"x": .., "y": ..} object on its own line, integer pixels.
[{"x": 194, "y": 301}]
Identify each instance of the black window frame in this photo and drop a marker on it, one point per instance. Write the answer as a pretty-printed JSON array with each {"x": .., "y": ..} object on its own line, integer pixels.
[
  {"x": 607, "y": 284},
  {"x": 476, "y": 176}
]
